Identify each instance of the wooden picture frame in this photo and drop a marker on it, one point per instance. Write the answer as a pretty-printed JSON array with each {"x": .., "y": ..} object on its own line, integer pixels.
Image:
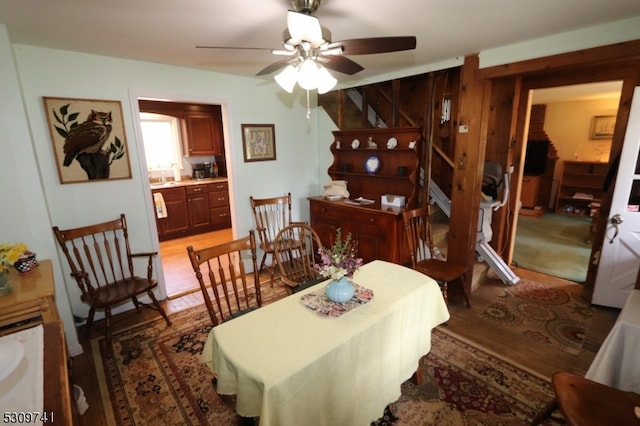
[
  {"x": 258, "y": 142},
  {"x": 602, "y": 126},
  {"x": 88, "y": 139}
]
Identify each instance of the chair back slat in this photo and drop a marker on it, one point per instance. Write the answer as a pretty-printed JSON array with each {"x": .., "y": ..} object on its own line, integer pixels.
[
  {"x": 417, "y": 231},
  {"x": 296, "y": 251},
  {"x": 222, "y": 270},
  {"x": 96, "y": 253},
  {"x": 271, "y": 215}
]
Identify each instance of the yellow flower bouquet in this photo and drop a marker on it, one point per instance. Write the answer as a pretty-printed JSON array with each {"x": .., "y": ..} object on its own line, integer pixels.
[{"x": 9, "y": 254}]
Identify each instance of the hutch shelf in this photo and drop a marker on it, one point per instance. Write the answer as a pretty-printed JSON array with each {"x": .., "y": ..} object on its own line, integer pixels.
[
  {"x": 396, "y": 155},
  {"x": 391, "y": 166}
]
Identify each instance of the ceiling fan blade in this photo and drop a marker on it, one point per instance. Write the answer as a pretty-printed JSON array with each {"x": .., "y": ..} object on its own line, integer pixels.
[
  {"x": 274, "y": 66},
  {"x": 341, "y": 64},
  {"x": 303, "y": 27},
  {"x": 234, "y": 48},
  {"x": 366, "y": 46}
]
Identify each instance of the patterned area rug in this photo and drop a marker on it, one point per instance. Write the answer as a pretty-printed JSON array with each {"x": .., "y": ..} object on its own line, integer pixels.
[
  {"x": 553, "y": 315},
  {"x": 463, "y": 384},
  {"x": 155, "y": 378}
]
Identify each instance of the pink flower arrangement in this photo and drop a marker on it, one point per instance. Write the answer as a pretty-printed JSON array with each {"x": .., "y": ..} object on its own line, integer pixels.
[{"x": 341, "y": 260}]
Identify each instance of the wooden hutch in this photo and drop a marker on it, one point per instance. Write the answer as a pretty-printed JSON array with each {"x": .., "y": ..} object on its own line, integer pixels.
[{"x": 391, "y": 167}]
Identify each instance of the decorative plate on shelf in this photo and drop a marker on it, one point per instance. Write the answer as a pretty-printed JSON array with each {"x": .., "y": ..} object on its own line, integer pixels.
[
  {"x": 392, "y": 143},
  {"x": 372, "y": 164},
  {"x": 355, "y": 144}
]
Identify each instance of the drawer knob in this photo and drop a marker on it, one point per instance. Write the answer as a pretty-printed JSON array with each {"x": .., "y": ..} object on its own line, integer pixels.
[{"x": 372, "y": 219}]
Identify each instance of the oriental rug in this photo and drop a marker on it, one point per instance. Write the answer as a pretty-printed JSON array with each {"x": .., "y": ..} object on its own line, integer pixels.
[
  {"x": 553, "y": 315},
  {"x": 155, "y": 378}
]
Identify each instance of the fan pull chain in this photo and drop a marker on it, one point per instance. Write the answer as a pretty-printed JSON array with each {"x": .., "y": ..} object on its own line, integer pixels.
[{"x": 308, "y": 109}]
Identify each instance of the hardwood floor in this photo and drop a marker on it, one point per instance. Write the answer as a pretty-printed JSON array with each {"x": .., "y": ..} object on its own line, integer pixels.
[
  {"x": 465, "y": 322},
  {"x": 178, "y": 272}
]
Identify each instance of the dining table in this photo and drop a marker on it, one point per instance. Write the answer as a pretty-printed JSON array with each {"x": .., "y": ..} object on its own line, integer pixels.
[
  {"x": 304, "y": 360},
  {"x": 616, "y": 363}
]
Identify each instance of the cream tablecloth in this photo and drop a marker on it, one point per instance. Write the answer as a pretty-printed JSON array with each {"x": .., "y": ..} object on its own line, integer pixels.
[
  {"x": 292, "y": 367},
  {"x": 616, "y": 363}
]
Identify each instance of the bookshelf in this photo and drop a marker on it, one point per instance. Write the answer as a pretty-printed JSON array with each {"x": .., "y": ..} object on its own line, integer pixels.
[{"x": 580, "y": 189}]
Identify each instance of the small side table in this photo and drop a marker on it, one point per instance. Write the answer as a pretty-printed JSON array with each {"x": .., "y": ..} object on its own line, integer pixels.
[{"x": 32, "y": 300}]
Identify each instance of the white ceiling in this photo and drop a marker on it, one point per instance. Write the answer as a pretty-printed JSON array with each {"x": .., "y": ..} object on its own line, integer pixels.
[{"x": 167, "y": 31}]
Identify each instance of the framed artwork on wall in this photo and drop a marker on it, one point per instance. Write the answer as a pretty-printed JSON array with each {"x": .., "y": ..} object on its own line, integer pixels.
[
  {"x": 602, "y": 126},
  {"x": 258, "y": 142},
  {"x": 88, "y": 139}
]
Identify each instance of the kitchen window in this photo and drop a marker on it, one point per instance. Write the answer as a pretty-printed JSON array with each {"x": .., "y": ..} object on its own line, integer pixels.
[{"x": 161, "y": 139}]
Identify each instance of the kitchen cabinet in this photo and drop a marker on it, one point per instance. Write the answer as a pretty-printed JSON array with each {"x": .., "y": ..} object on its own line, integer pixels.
[
  {"x": 176, "y": 223},
  {"x": 580, "y": 185},
  {"x": 198, "y": 206},
  {"x": 219, "y": 207},
  {"x": 204, "y": 133},
  {"x": 202, "y": 129},
  {"x": 379, "y": 232},
  {"x": 193, "y": 208}
]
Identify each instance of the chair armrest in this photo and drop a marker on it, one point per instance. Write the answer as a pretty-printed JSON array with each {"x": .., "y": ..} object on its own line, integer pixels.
[
  {"x": 82, "y": 278},
  {"x": 144, "y": 254},
  {"x": 150, "y": 255}
]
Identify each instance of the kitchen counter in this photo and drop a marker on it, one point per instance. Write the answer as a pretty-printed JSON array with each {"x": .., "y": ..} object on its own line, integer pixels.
[{"x": 188, "y": 182}]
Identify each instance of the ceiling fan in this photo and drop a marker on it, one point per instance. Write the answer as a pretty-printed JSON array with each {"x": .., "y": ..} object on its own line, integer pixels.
[{"x": 307, "y": 49}]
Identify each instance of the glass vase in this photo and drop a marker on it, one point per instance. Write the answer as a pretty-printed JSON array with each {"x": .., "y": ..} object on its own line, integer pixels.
[
  {"x": 340, "y": 291},
  {"x": 5, "y": 285}
]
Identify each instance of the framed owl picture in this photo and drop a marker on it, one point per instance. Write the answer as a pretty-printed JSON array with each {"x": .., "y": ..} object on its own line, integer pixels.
[{"x": 88, "y": 137}]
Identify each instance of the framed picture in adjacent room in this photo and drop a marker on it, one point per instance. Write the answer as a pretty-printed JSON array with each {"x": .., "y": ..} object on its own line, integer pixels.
[
  {"x": 602, "y": 126},
  {"x": 88, "y": 139},
  {"x": 258, "y": 142}
]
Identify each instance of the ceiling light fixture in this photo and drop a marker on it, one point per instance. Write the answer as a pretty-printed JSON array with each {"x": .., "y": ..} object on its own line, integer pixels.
[{"x": 309, "y": 75}]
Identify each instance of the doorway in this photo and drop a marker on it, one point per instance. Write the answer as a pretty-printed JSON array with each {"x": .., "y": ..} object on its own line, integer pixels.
[
  {"x": 554, "y": 236},
  {"x": 177, "y": 274}
]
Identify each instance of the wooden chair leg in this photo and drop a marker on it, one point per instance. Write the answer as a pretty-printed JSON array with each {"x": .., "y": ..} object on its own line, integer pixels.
[
  {"x": 158, "y": 307},
  {"x": 545, "y": 413},
  {"x": 465, "y": 292},
  {"x": 92, "y": 313}
]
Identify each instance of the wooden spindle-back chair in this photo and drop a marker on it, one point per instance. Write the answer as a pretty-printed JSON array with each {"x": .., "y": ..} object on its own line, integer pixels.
[
  {"x": 221, "y": 268},
  {"x": 102, "y": 265},
  {"x": 270, "y": 215},
  {"x": 424, "y": 257},
  {"x": 296, "y": 251}
]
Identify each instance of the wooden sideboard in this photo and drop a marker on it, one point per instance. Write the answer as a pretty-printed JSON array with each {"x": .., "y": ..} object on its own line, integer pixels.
[
  {"x": 31, "y": 303},
  {"x": 32, "y": 300},
  {"x": 379, "y": 232}
]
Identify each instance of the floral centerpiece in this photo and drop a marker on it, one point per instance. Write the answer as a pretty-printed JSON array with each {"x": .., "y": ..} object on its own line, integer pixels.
[
  {"x": 339, "y": 263},
  {"x": 9, "y": 254}
]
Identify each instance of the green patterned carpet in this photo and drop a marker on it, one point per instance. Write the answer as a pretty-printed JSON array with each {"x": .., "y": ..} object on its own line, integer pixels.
[{"x": 554, "y": 245}]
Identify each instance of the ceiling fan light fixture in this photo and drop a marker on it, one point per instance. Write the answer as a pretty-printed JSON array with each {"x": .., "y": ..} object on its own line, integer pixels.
[
  {"x": 308, "y": 74},
  {"x": 326, "y": 81},
  {"x": 287, "y": 78}
]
